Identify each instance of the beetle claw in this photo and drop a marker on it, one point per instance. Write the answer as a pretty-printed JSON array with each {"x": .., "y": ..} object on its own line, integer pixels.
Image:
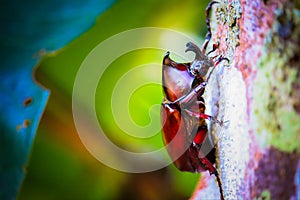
[
  {"x": 226, "y": 124},
  {"x": 221, "y": 123}
]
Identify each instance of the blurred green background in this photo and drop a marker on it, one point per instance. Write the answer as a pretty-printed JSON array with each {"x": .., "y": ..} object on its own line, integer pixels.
[{"x": 60, "y": 167}]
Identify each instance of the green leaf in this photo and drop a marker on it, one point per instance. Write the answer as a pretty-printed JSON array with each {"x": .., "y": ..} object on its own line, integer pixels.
[{"x": 22, "y": 104}]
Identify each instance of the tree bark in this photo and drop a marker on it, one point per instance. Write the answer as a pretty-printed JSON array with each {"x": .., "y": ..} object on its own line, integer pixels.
[{"x": 259, "y": 93}]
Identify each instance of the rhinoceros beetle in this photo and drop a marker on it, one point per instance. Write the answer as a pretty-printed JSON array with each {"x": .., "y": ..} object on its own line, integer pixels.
[{"x": 184, "y": 121}]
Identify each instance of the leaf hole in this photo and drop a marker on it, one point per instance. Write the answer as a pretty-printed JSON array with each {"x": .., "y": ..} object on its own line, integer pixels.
[
  {"x": 26, "y": 123},
  {"x": 18, "y": 128},
  {"x": 27, "y": 102}
]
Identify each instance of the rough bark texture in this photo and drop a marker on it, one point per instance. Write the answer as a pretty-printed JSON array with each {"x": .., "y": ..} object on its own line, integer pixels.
[{"x": 259, "y": 93}]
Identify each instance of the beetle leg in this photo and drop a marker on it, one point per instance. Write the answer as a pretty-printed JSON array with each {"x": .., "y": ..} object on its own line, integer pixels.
[
  {"x": 192, "y": 95},
  {"x": 220, "y": 59},
  {"x": 220, "y": 184},
  {"x": 212, "y": 170},
  {"x": 205, "y": 116},
  {"x": 208, "y": 35}
]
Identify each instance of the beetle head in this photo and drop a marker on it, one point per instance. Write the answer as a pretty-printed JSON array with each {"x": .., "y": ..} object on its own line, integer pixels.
[{"x": 201, "y": 63}]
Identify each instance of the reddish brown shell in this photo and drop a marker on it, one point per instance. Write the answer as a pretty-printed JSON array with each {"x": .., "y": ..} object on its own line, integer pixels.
[{"x": 182, "y": 132}]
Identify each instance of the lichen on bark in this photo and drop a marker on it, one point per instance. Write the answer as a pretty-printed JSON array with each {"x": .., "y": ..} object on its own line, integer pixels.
[{"x": 277, "y": 82}]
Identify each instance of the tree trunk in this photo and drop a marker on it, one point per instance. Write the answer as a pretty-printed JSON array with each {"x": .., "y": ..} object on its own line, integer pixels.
[{"x": 259, "y": 93}]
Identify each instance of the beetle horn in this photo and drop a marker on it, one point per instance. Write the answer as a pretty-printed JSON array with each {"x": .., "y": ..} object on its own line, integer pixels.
[{"x": 194, "y": 48}]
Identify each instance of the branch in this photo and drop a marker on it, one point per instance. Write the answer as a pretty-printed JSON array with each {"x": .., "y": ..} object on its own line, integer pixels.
[{"x": 258, "y": 153}]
